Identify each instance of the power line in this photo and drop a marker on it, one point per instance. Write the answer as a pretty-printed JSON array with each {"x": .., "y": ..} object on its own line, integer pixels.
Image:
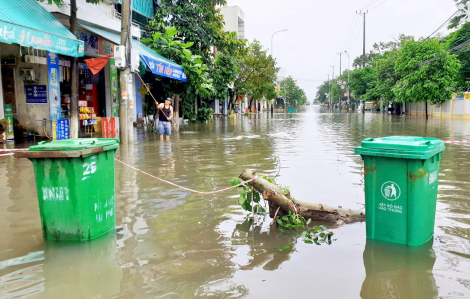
[
  {"x": 357, "y": 34},
  {"x": 370, "y": 3},
  {"x": 348, "y": 41},
  {"x": 353, "y": 26},
  {"x": 378, "y": 5},
  {"x": 442, "y": 25}
]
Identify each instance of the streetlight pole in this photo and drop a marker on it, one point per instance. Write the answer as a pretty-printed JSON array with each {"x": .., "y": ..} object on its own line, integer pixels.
[
  {"x": 272, "y": 36},
  {"x": 339, "y": 53},
  {"x": 348, "y": 74}
]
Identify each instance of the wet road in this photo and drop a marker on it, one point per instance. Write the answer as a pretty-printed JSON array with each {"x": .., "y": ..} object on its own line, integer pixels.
[{"x": 170, "y": 243}]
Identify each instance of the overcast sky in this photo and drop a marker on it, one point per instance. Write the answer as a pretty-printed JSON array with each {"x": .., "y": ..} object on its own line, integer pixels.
[{"x": 320, "y": 29}]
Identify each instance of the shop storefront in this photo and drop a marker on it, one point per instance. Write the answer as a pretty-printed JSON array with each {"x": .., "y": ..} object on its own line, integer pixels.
[
  {"x": 35, "y": 59},
  {"x": 100, "y": 92}
]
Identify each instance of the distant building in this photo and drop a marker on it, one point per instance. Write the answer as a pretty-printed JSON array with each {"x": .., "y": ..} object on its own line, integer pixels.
[{"x": 234, "y": 19}]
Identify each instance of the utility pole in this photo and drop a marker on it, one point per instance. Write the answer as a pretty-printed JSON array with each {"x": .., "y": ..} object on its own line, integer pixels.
[
  {"x": 363, "y": 14},
  {"x": 346, "y": 52},
  {"x": 74, "y": 121},
  {"x": 340, "y": 53},
  {"x": 126, "y": 39},
  {"x": 329, "y": 91},
  {"x": 332, "y": 79}
]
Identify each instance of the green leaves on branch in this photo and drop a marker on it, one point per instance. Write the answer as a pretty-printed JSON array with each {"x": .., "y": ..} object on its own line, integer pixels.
[
  {"x": 247, "y": 197},
  {"x": 317, "y": 235},
  {"x": 314, "y": 235}
]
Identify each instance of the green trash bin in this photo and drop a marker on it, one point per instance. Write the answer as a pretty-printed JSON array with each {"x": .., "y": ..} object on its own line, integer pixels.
[
  {"x": 401, "y": 175},
  {"x": 75, "y": 185}
]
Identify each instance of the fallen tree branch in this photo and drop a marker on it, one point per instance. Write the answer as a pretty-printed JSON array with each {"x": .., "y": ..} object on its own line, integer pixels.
[{"x": 314, "y": 211}]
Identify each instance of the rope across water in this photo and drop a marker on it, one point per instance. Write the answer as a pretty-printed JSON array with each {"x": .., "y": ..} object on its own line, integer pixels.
[{"x": 191, "y": 190}]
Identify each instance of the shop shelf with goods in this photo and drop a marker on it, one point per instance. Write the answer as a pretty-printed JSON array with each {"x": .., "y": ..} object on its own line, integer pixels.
[{"x": 87, "y": 117}]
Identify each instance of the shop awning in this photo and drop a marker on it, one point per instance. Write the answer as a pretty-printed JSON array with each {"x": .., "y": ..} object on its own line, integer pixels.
[
  {"x": 157, "y": 64},
  {"x": 28, "y": 24}
]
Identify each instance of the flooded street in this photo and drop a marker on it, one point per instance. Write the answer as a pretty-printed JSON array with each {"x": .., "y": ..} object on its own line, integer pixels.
[{"x": 170, "y": 243}]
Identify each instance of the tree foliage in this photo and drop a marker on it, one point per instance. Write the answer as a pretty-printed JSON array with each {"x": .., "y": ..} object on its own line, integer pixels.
[
  {"x": 427, "y": 72},
  {"x": 456, "y": 40},
  {"x": 211, "y": 63},
  {"x": 322, "y": 92},
  {"x": 258, "y": 73},
  {"x": 456, "y": 20},
  {"x": 294, "y": 95}
]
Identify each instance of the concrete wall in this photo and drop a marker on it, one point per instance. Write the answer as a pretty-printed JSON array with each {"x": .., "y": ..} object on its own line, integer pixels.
[
  {"x": 27, "y": 114},
  {"x": 458, "y": 107},
  {"x": 103, "y": 15},
  {"x": 234, "y": 19}
]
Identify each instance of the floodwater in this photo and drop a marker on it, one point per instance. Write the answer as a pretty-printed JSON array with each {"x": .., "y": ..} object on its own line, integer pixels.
[{"x": 170, "y": 243}]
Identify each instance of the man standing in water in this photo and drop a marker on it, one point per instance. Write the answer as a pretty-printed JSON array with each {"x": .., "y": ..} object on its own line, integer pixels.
[
  {"x": 164, "y": 119},
  {"x": 236, "y": 111}
]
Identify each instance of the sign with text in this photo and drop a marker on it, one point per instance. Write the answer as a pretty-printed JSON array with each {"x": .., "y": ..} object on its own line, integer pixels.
[
  {"x": 28, "y": 37},
  {"x": 63, "y": 129},
  {"x": 110, "y": 127},
  {"x": 164, "y": 69},
  {"x": 54, "y": 85},
  {"x": 36, "y": 94}
]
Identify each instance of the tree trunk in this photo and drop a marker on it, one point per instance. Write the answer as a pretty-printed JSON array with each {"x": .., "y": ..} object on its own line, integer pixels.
[
  {"x": 426, "y": 104},
  {"x": 314, "y": 211},
  {"x": 74, "y": 125}
]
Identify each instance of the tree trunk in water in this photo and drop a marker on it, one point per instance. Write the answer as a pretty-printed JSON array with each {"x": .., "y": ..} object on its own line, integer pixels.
[
  {"x": 426, "y": 103},
  {"x": 315, "y": 211},
  {"x": 195, "y": 106},
  {"x": 74, "y": 125},
  {"x": 176, "y": 113}
]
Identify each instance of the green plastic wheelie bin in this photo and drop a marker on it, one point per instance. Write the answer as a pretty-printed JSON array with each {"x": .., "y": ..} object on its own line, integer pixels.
[
  {"x": 75, "y": 186},
  {"x": 401, "y": 175}
]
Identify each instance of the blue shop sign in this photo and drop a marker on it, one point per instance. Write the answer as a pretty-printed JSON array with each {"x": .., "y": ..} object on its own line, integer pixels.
[
  {"x": 164, "y": 69},
  {"x": 36, "y": 94},
  {"x": 63, "y": 129},
  {"x": 13, "y": 34}
]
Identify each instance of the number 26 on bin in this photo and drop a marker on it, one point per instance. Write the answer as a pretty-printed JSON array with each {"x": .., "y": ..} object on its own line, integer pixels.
[{"x": 89, "y": 168}]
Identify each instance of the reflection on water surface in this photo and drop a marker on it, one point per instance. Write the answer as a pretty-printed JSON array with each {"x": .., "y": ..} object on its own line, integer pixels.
[{"x": 170, "y": 243}]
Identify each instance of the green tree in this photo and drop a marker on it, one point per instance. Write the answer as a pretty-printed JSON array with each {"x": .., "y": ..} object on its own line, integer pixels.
[
  {"x": 427, "y": 72},
  {"x": 322, "y": 92},
  {"x": 201, "y": 22},
  {"x": 458, "y": 43},
  {"x": 455, "y": 21},
  {"x": 362, "y": 81},
  {"x": 386, "y": 77},
  {"x": 379, "y": 49},
  {"x": 257, "y": 73},
  {"x": 294, "y": 95},
  {"x": 336, "y": 92},
  {"x": 172, "y": 47}
]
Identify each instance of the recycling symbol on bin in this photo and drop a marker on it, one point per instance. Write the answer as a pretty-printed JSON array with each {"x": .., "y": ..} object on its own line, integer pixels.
[{"x": 391, "y": 190}]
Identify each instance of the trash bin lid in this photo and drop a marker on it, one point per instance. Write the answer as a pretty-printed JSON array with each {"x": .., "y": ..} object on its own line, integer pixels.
[
  {"x": 74, "y": 144},
  {"x": 406, "y": 147}
]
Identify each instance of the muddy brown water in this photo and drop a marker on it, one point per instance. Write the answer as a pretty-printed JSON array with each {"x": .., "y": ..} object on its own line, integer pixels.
[{"x": 170, "y": 243}]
